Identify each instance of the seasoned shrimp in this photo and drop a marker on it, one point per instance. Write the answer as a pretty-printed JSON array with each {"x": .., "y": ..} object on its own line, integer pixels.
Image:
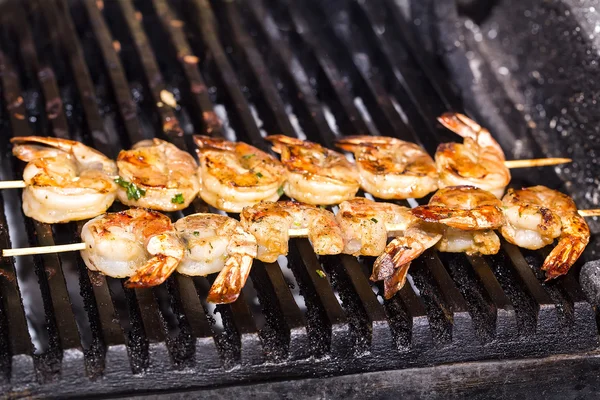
[
  {"x": 363, "y": 224},
  {"x": 217, "y": 243},
  {"x": 65, "y": 180},
  {"x": 391, "y": 168},
  {"x": 536, "y": 216},
  {"x": 469, "y": 215},
  {"x": 479, "y": 161},
  {"x": 157, "y": 175},
  {"x": 237, "y": 175},
  {"x": 270, "y": 223},
  {"x": 315, "y": 175},
  {"x": 135, "y": 243}
]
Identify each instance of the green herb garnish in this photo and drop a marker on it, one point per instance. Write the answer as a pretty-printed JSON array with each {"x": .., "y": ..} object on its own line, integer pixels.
[
  {"x": 247, "y": 156},
  {"x": 321, "y": 273},
  {"x": 178, "y": 199},
  {"x": 196, "y": 233},
  {"x": 374, "y": 220},
  {"x": 133, "y": 192},
  {"x": 280, "y": 191},
  {"x": 258, "y": 174}
]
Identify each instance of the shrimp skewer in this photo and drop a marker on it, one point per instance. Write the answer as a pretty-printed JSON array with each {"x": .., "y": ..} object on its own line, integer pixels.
[
  {"x": 64, "y": 180},
  {"x": 479, "y": 161},
  {"x": 236, "y": 175},
  {"x": 157, "y": 175},
  {"x": 315, "y": 175},
  {"x": 391, "y": 168},
  {"x": 536, "y": 216}
]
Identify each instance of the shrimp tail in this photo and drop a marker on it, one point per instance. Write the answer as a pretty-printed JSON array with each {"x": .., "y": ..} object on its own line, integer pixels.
[
  {"x": 398, "y": 253},
  {"x": 155, "y": 272},
  {"x": 230, "y": 281},
  {"x": 394, "y": 283},
  {"x": 460, "y": 124},
  {"x": 484, "y": 217},
  {"x": 563, "y": 256}
]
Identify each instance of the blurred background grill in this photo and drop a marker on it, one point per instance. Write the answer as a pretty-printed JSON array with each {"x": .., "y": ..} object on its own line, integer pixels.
[{"x": 98, "y": 72}]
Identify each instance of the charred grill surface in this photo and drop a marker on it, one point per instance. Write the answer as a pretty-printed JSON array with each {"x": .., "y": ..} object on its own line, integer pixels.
[{"x": 100, "y": 72}]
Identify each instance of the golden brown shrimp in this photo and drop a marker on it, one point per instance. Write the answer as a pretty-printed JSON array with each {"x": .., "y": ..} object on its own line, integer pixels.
[
  {"x": 363, "y": 224},
  {"x": 237, "y": 175},
  {"x": 536, "y": 216},
  {"x": 391, "y": 168},
  {"x": 270, "y": 223},
  {"x": 479, "y": 161},
  {"x": 65, "y": 180},
  {"x": 217, "y": 243},
  {"x": 157, "y": 175},
  {"x": 469, "y": 216},
  {"x": 135, "y": 243},
  {"x": 315, "y": 175}
]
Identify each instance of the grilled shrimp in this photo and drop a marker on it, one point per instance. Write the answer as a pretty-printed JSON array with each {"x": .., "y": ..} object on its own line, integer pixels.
[
  {"x": 217, "y": 243},
  {"x": 236, "y": 175},
  {"x": 270, "y": 223},
  {"x": 157, "y": 175},
  {"x": 315, "y": 175},
  {"x": 536, "y": 216},
  {"x": 479, "y": 161},
  {"x": 65, "y": 180},
  {"x": 469, "y": 216},
  {"x": 391, "y": 168},
  {"x": 363, "y": 224},
  {"x": 135, "y": 243}
]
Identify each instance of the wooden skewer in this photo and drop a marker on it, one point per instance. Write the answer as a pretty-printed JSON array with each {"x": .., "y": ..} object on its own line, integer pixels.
[
  {"x": 12, "y": 185},
  {"x": 590, "y": 213},
  {"x": 536, "y": 162},
  {"x": 43, "y": 250},
  {"x": 25, "y": 251}
]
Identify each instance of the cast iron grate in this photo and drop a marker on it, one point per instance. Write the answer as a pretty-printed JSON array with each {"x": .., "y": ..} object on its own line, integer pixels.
[{"x": 94, "y": 71}]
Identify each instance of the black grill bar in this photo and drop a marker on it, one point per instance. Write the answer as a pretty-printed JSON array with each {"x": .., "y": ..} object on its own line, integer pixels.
[{"x": 97, "y": 71}]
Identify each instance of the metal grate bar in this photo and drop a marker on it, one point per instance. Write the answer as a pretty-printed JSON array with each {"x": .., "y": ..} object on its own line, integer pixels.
[
  {"x": 18, "y": 362},
  {"x": 201, "y": 107},
  {"x": 115, "y": 72}
]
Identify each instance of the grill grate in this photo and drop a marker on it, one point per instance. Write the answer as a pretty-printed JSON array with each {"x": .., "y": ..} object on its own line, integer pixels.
[{"x": 94, "y": 71}]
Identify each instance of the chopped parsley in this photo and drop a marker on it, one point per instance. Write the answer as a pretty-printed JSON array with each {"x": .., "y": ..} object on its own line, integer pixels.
[
  {"x": 196, "y": 233},
  {"x": 280, "y": 191},
  {"x": 177, "y": 199},
  {"x": 247, "y": 156},
  {"x": 258, "y": 174},
  {"x": 321, "y": 273},
  {"x": 133, "y": 192},
  {"x": 374, "y": 220}
]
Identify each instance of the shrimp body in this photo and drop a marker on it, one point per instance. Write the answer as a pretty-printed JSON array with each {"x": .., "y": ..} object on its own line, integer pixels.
[
  {"x": 64, "y": 179},
  {"x": 479, "y": 161},
  {"x": 469, "y": 216},
  {"x": 536, "y": 216},
  {"x": 236, "y": 175},
  {"x": 270, "y": 223},
  {"x": 391, "y": 168},
  {"x": 135, "y": 243},
  {"x": 163, "y": 176},
  {"x": 363, "y": 223},
  {"x": 315, "y": 175},
  {"x": 217, "y": 243}
]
